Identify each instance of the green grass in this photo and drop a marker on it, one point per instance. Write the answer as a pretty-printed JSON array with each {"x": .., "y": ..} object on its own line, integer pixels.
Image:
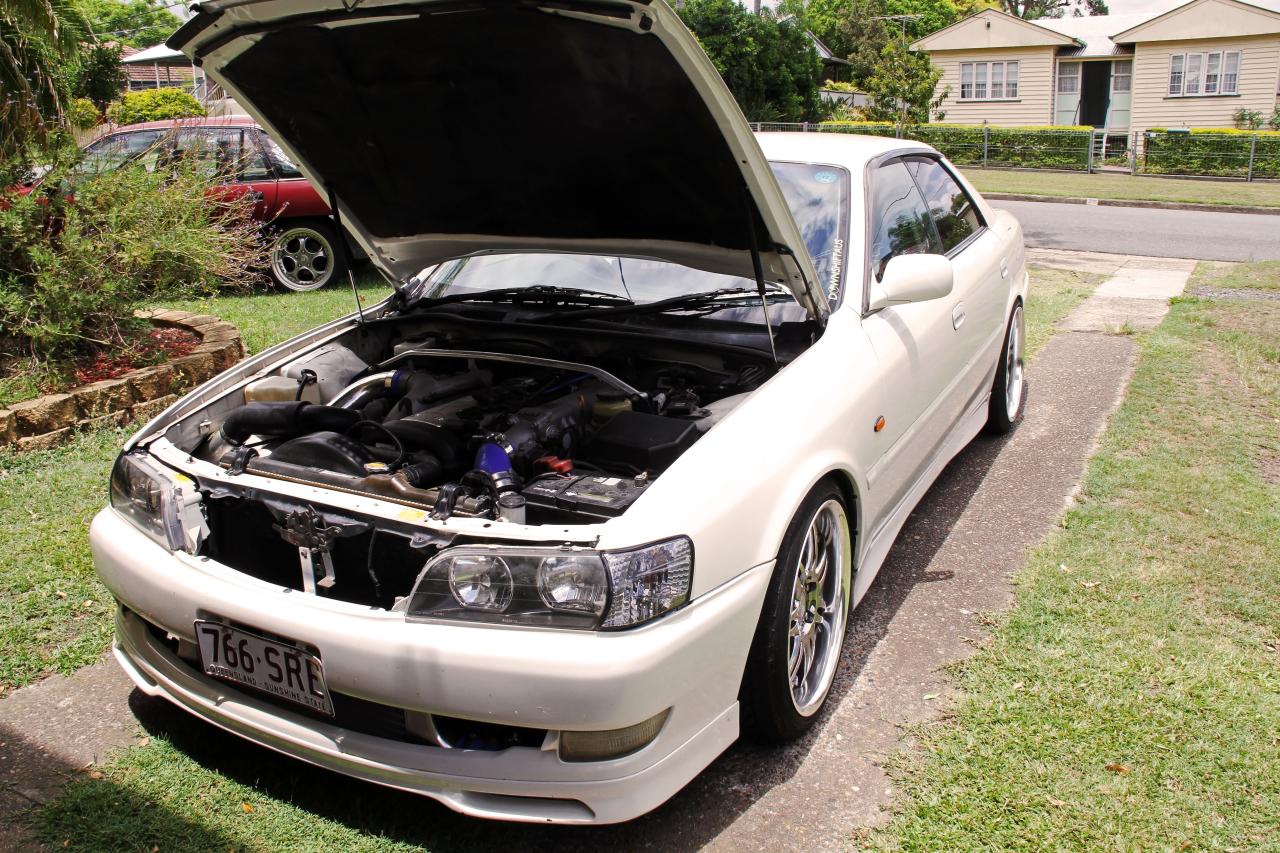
[
  {"x": 54, "y": 614},
  {"x": 1129, "y": 187},
  {"x": 48, "y": 498},
  {"x": 1131, "y": 698},
  {"x": 268, "y": 317},
  {"x": 1264, "y": 275},
  {"x": 1051, "y": 296}
]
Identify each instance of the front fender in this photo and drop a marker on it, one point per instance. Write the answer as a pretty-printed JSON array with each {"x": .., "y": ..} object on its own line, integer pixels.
[{"x": 734, "y": 492}]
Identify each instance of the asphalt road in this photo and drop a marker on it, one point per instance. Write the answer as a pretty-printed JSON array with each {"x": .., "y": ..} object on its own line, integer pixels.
[{"x": 1148, "y": 231}]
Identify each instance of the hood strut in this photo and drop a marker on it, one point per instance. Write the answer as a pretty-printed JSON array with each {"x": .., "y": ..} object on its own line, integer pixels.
[
  {"x": 345, "y": 250},
  {"x": 758, "y": 267}
]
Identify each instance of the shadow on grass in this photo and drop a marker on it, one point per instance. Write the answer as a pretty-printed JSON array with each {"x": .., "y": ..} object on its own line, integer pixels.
[
  {"x": 89, "y": 815},
  {"x": 690, "y": 820}
]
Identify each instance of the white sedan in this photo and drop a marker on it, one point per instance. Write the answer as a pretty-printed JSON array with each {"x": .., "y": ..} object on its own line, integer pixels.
[{"x": 597, "y": 489}]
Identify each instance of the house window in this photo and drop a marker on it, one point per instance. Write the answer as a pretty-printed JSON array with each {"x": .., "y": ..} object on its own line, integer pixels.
[
  {"x": 1069, "y": 78},
  {"x": 1121, "y": 76},
  {"x": 1192, "y": 74},
  {"x": 988, "y": 81}
]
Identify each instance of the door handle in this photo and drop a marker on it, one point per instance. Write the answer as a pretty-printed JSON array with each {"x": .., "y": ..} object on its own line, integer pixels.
[
  {"x": 957, "y": 316},
  {"x": 1004, "y": 268}
]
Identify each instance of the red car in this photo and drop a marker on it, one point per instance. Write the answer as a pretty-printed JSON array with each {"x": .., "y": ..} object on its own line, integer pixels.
[{"x": 304, "y": 253}]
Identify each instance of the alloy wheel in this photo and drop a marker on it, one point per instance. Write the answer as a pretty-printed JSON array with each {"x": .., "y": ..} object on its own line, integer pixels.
[{"x": 819, "y": 606}]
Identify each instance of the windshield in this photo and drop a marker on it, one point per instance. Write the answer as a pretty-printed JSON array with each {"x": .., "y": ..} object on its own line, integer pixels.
[{"x": 818, "y": 196}]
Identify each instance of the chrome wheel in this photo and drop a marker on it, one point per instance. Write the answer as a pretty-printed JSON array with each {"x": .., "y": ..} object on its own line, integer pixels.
[
  {"x": 819, "y": 606},
  {"x": 1013, "y": 366},
  {"x": 302, "y": 258}
]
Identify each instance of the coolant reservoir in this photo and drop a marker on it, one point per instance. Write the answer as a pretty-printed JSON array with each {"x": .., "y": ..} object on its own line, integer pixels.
[
  {"x": 608, "y": 404},
  {"x": 276, "y": 389}
]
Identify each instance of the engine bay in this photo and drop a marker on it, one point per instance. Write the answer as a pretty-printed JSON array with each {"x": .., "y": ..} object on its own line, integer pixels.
[{"x": 480, "y": 433}]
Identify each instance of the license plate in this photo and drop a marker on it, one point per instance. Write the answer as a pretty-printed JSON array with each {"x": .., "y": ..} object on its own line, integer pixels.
[{"x": 276, "y": 668}]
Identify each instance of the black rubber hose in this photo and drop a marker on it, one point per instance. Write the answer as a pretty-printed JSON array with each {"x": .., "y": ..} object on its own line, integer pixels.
[{"x": 284, "y": 419}]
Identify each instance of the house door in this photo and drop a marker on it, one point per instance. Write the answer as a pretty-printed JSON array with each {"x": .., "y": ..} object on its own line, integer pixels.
[
  {"x": 1121, "y": 94},
  {"x": 1095, "y": 93},
  {"x": 1066, "y": 106}
]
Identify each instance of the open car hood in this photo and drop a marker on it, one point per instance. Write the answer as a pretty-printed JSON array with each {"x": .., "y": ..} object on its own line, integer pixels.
[{"x": 446, "y": 128}]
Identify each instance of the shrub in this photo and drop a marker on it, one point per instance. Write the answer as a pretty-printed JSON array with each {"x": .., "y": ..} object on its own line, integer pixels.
[
  {"x": 1220, "y": 152},
  {"x": 1274, "y": 121},
  {"x": 82, "y": 114},
  {"x": 77, "y": 255},
  {"x": 1049, "y": 147},
  {"x": 1246, "y": 119},
  {"x": 154, "y": 105}
]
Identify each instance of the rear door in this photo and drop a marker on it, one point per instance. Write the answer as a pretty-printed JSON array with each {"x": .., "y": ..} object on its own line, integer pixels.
[
  {"x": 979, "y": 296},
  {"x": 236, "y": 158}
]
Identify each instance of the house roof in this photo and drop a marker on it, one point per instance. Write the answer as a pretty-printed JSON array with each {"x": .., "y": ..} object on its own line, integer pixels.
[
  {"x": 1094, "y": 32},
  {"x": 1230, "y": 17},
  {"x": 1091, "y": 36},
  {"x": 993, "y": 28},
  {"x": 144, "y": 71}
]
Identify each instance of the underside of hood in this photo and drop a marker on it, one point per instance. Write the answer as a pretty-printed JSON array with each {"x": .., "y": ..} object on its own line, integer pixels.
[{"x": 446, "y": 128}]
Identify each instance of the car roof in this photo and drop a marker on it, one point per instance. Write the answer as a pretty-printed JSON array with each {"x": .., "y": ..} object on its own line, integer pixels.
[
  {"x": 845, "y": 149},
  {"x": 166, "y": 124}
]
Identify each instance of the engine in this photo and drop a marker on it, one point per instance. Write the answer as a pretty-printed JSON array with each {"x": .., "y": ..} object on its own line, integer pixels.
[{"x": 490, "y": 435}]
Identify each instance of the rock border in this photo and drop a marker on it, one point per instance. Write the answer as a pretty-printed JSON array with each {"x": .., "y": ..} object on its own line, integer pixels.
[{"x": 139, "y": 395}]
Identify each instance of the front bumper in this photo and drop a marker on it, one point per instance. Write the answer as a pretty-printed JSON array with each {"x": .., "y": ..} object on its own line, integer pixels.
[{"x": 690, "y": 662}]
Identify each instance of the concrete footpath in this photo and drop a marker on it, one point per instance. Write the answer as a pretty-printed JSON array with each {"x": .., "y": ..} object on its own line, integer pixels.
[{"x": 951, "y": 565}]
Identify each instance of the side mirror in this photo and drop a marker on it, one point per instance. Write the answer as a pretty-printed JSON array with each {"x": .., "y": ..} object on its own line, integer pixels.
[{"x": 912, "y": 278}]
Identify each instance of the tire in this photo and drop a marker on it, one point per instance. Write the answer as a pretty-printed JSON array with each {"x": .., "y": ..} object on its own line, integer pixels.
[
  {"x": 776, "y": 706},
  {"x": 305, "y": 256},
  {"x": 1009, "y": 390}
]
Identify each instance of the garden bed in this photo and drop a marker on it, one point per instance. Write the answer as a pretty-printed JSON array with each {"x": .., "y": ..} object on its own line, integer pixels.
[{"x": 199, "y": 346}]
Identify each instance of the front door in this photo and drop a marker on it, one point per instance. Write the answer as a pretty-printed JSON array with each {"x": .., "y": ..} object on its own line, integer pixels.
[
  {"x": 1066, "y": 108},
  {"x": 1121, "y": 94}
]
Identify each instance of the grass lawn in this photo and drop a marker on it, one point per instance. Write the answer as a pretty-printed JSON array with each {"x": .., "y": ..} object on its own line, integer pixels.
[
  {"x": 1133, "y": 187},
  {"x": 1264, "y": 275},
  {"x": 54, "y": 615},
  {"x": 267, "y": 317},
  {"x": 1131, "y": 699}
]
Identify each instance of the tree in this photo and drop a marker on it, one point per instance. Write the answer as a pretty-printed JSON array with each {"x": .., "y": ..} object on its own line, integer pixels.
[
  {"x": 136, "y": 23},
  {"x": 770, "y": 66},
  {"x": 902, "y": 87},
  {"x": 37, "y": 38},
  {"x": 1032, "y": 9},
  {"x": 99, "y": 77}
]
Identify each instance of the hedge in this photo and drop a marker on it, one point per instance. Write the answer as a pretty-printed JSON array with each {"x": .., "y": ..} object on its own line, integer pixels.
[
  {"x": 1049, "y": 147},
  {"x": 154, "y": 105},
  {"x": 1221, "y": 152}
]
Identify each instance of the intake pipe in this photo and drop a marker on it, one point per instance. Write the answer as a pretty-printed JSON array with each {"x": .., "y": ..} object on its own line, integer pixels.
[{"x": 281, "y": 420}]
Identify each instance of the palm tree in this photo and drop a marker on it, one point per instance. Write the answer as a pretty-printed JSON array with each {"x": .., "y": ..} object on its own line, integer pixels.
[{"x": 37, "y": 39}]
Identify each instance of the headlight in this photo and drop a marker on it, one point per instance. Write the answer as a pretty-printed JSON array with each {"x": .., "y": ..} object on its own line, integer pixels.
[
  {"x": 649, "y": 581},
  {"x": 158, "y": 501},
  {"x": 564, "y": 587},
  {"x": 560, "y": 587}
]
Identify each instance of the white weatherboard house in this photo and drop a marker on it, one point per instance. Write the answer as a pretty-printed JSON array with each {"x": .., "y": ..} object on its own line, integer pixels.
[{"x": 1192, "y": 66}]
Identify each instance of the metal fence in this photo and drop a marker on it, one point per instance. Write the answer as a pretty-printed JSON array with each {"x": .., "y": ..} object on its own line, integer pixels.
[{"x": 1240, "y": 155}]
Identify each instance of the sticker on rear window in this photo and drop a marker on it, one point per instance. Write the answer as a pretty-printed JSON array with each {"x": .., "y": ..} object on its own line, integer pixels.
[{"x": 826, "y": 177}]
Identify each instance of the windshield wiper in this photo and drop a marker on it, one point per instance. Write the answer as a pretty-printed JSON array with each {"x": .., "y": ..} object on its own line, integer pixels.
[
  {"x": 538, "y": 294},
  {"x": 684, "y": 302}
]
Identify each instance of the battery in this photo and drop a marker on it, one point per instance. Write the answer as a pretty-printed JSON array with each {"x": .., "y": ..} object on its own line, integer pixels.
[{"x": 601, "y": 496}]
